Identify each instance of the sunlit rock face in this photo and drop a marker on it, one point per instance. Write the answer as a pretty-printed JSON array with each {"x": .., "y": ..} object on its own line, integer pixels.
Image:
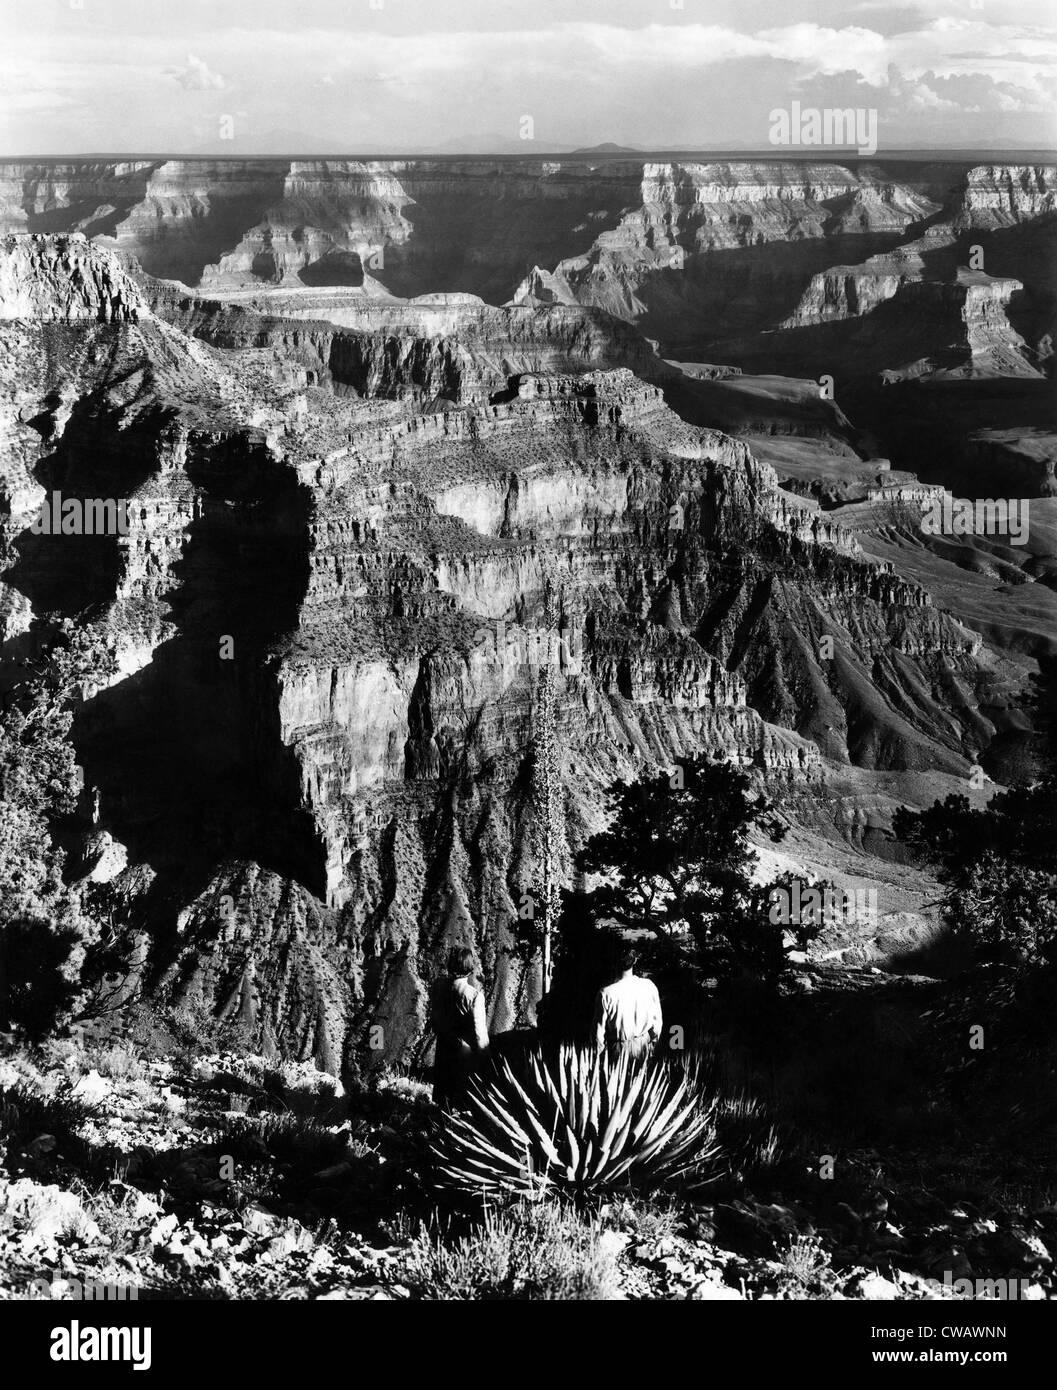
[
  {"x": 64, "y": 279},
  {"x": 696, "y": 253},
  {"x": 1005, "y": 194}
]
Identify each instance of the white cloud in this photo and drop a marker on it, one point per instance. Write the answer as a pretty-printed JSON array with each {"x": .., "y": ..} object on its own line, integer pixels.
[
  {"x": 197, "y": 76},
  {"x": 824, "y": 52},
  {"x": 996, "y": 12},
  {"x": 581, "y": 79}
]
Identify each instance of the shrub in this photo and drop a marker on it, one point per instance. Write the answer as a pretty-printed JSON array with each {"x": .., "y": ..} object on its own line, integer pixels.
[
  {"x": 747, "y": 1136},
  {"x": 26, "y": 1114},
  {"x": 1006, "y": 915},
  {"x": 648, "y": 1221},
  {"x": 194, "y": 1032},
  {"x": 119, "y": 1062},
  {"x": 49, "y": 942},
  {"x": 997, "y": 867},
  {"x": 806, "y": 1271},
  {"x": 532, "y": 1251},
  {"x": 590, "y": 1122},
  {"x": 286, "y": 1137}
]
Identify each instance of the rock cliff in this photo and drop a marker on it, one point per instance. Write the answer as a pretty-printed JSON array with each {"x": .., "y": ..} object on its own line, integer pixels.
[
  {"x": 306, "y": 756},
  {"x": 64, "y": 278}
]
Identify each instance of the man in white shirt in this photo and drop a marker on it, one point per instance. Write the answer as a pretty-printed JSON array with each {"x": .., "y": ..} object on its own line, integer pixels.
[{"x": 628, "y": 1012}]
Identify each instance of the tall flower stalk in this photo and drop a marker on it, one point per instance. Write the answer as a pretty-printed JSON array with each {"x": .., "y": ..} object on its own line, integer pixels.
[{"x": 548, "y": 797}]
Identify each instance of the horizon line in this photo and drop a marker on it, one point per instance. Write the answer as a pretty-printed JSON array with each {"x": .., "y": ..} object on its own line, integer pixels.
[{"x": 781, "y": 154}]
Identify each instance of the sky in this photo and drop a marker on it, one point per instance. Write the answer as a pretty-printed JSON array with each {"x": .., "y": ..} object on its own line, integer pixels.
[{"x": 418, "y": 76}]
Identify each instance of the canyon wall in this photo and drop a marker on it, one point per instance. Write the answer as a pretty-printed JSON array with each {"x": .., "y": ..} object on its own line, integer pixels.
[
  {"x": 353, "y": 548},
  {"x": 657, "y": 242}
]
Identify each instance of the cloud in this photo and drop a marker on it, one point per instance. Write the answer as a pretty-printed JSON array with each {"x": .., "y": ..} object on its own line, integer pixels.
[
  {"x": 919, "y": 62},
  {"x": 995, "y": 12},
  {"x": 197, "y": 76},
  {"x": 974, "y": 93},
  {"x": 825, "y": 52}
]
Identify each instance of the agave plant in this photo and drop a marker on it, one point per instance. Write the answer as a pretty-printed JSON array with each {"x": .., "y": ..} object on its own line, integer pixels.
[{"x": 587, "y": 1123}]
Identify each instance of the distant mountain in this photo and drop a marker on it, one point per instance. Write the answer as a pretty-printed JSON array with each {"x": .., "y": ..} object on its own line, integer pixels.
[{"x": 607, "y": 147}]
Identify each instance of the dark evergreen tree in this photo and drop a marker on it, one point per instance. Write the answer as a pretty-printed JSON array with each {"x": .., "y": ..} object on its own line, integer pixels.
[{"x": 678, "y": 863}]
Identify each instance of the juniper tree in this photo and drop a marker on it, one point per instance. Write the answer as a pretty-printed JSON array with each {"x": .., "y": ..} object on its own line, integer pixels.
[
  {"x": 44, "y": 932},
  {"x": 998, "y": 866},
  {"x": 676, "y": 861}
]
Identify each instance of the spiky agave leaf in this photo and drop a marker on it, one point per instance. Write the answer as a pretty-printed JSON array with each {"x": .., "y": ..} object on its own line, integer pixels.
[{"x": 584, "y": 1123}]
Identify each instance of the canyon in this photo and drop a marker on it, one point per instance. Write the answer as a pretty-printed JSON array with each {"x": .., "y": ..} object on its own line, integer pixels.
[{"x": 379, "y": 423}]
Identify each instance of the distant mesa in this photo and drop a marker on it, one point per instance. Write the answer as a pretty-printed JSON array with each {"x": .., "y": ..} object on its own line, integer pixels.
[{"x": 607, "y": 147}]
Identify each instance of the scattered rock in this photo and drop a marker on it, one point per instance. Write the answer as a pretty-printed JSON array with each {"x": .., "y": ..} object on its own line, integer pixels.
[
  {"x": 871, "y": 1286},
  {"x": 162, "y": 1230},
  {"x": 46, "y": 1211},
  {"x": 92, "y": 1088},
  {"x": 293, "y": 1236},
  {"x": 712, "y": 1290},
  {"x": 260, "y": 1220}
]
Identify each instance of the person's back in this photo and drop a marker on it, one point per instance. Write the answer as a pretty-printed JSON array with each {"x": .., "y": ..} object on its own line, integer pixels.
[
  {"x": 460, "y": 1023},
  {"x": 465, "y": 1022},
  {"x": 628, "y": 1012}
]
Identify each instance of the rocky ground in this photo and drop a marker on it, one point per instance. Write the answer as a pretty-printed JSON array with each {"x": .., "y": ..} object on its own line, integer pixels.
[{"x": 224, "y": 1177}]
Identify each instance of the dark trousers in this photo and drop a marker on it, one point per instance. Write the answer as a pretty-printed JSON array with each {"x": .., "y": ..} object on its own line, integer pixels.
[
  {"x": 635, "y": 1048},
  {"x": 453, "y": 1063}
]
